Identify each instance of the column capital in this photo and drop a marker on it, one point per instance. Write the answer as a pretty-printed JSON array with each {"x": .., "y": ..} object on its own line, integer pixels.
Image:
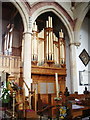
[
  {"x": 30, "y": 23},
  {"x": 29, "y": 26},
  {"x": 77, "y": 44},
  {"x": 27, "y": 32}
]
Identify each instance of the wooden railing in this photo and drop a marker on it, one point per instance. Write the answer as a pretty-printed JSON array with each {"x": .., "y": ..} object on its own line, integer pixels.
[{"x": 10, "y": 64}]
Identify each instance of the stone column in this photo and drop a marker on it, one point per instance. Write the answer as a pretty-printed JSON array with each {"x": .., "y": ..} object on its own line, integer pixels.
[
  {"x": 27, "y": 61},
  {"x": 73, "y": 70},
  {"x": 27, "y": 58}
]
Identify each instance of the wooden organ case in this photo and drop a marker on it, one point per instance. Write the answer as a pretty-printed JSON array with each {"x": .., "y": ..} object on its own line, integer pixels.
[{"x": 48, "y": 58}]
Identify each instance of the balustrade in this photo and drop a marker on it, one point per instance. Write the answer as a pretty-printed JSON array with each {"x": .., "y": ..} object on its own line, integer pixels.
[{"x": 10, "y": 64}]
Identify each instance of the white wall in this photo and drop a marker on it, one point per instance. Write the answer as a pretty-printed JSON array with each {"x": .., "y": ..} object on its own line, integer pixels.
[
  {"x": 16, "y": 39},
  {"x": 89, "y": 51},
  {"x": 67, "y": 7},
  {"x": 84, "y": 39},
  {"x": 68, "y": 81},
  {"x": 0, "y": 27}
]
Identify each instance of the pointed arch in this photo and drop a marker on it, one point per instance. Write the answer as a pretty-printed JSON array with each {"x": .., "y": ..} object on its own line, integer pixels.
[
  {"x": 23, "y": 12},
  {"x": 40, "y": 8},
  {"x": 85, "y": 8}
]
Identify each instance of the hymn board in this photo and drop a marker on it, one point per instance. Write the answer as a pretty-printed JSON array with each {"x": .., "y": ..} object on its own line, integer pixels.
[{"x": 48, "y": 58}]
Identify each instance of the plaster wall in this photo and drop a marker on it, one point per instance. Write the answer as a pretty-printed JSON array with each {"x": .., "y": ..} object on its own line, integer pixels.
[
  {"x": 68, "y": 81},
  {"x": 79, "y": 10},
  {"x": 84, "y": 40},
  {"x": 16, "y": 39},
  {"x": 67, "y": 7},
  {"x": 0, "y": 27}
]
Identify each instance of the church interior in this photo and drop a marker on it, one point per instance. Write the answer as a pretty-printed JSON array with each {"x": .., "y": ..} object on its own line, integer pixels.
[{"x": 44, "y": 60}]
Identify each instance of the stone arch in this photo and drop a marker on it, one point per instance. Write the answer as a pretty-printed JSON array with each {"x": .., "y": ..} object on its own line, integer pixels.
[
  {"x": 55, "y": 8},
  {"x": 23, "y": 13},
  {"x": 79, "y": 22},
  {"x": 41, "y": 8}
]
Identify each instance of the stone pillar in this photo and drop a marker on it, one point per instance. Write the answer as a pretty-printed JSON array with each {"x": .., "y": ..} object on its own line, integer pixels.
[
  {"x": 73, "y": 70},
  {"x": 27, "y": 58},
  {"x": 27, "y": 61},
  {"x": 0, "y": 27}
]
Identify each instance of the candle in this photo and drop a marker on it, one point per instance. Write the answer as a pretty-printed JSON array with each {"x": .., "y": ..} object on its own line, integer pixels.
[
  {"x": 35, "y": 100},
  {"x": 57, "y": 89}
]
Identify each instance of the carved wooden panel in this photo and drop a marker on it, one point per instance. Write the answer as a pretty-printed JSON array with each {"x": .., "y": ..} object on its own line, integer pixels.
[
  {"x": 50, "y": 88},
  {"x": 42, "y": 88},
  {"x": 44, "y": 76}
]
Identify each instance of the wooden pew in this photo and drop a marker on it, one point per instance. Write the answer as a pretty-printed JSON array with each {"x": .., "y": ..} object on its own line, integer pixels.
[
  {"x": 81, "y": 100},
  {"x": 48, "y": 104}
]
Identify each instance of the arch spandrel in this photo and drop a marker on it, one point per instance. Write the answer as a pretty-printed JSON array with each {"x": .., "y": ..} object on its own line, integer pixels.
[{"x": 83, "y": 8}]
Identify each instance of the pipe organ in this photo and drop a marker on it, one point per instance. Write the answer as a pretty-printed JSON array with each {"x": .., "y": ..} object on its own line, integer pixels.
[
  {"x": 48, "y": 58},
  {"x": 46, "y": 46},
  {"x": 34, "y": 43},
  {"x": 8, "y": 39},
  {"x": 12, "y": 41}
]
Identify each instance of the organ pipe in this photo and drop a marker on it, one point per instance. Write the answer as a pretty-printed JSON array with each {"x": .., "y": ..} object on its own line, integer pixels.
[{"x": 46, "y": 45}]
